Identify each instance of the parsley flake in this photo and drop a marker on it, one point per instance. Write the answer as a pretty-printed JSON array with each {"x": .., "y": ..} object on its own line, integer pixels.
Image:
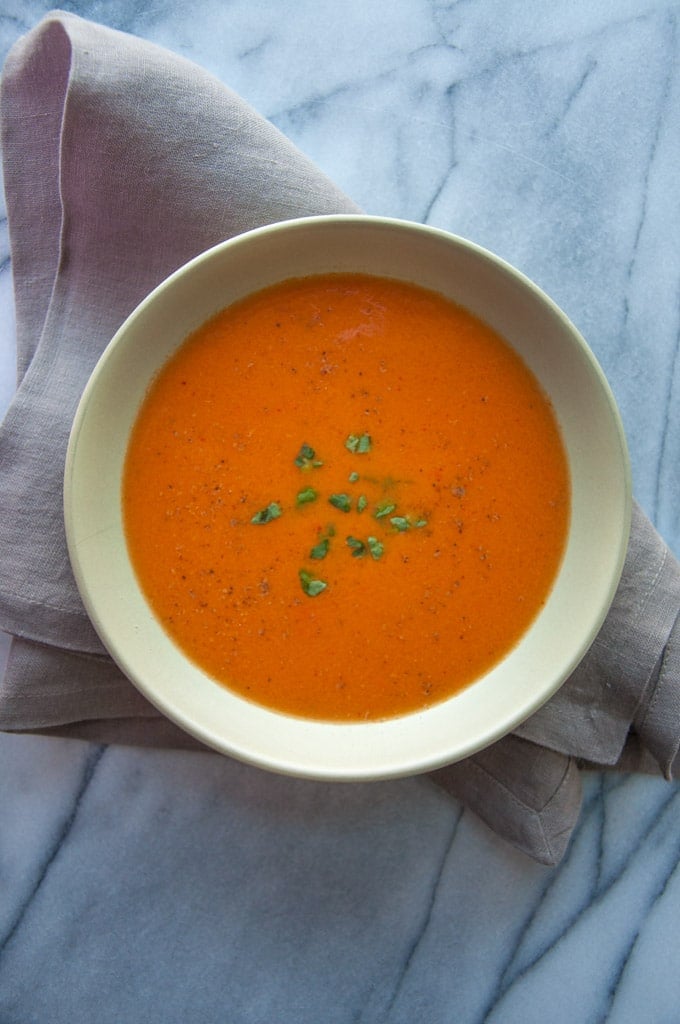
[
  {"x": 358, "y": 547},
  {"x": 311, "y": 585},
  {"x": 320, "y": 550},
  {"x": 385, "y": 508},
  {"x": 359, "y": 444},
  {"x": 305, "y": 496},
  {"x": 306, "y": 458},
  {"x": 266, "y": 515},
  {"x": 375, "y": 547},
  {"x": 342, "y": 502}
]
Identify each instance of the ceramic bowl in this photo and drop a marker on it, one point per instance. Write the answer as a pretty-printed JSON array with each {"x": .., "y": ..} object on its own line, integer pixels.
[{"x": 580, "y": 597}]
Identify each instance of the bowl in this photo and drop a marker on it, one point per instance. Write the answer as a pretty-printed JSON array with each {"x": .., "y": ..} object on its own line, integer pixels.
[{"x": 600, "y": 499}]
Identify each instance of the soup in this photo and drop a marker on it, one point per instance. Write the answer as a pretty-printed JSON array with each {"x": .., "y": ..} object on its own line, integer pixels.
[{"x": 345, "y": 497}]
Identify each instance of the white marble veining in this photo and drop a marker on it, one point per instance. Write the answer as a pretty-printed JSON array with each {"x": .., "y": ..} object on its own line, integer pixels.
[{"x": 146, "y": 886}]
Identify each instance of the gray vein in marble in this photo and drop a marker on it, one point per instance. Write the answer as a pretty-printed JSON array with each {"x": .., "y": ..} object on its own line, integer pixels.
[
  {"x": 641, "y": 874},
  {"x": 595, "y": 887},
  {"x": 604, "y": 23},
  {"x": 516, "y": 965},
  {"x": 52, "y": 851},
  {"x": 450, "y": 96},
  {"x": 644, "y": 191},
  {"x": 571, "y": 98},
  {"x": 657, "y": 895},
  {"x": 17, "y": 24},
  {"x": 601, "y": 831},
  {"x": 256, "y": 49},
  {"x": 521, "y": 961},
  {"x": 617, "y": 794},
  {"x": 428, "y": 908},
  {"x": 126, "y": 15},
  {"x": 670, "y": 401}
]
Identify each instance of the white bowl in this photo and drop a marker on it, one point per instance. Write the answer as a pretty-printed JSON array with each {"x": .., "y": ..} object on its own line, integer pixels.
[{"x": 583, "y": 590}]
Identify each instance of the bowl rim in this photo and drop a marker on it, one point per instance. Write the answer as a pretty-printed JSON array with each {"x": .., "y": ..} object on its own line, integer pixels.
[{"x": 279, "y": 762}]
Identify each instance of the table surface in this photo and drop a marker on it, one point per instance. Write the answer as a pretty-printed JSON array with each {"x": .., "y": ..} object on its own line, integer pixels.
[{"x": 144, "y": 886}]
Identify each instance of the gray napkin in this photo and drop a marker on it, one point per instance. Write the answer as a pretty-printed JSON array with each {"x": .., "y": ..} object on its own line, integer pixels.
[{"x": 121, "y": 162}]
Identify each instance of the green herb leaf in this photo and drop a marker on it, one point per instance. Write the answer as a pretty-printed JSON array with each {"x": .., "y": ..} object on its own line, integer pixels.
[
  {"x": 320, "y": 550},
  {"x": 375, "y": 547},
  {"x": 362, "y": 502},
  {"x": 343, "y": 502},
  {"x": 359, "y": 444},
  {"x": 384, "y": 509},
  {"x": 358, "y": 547},
  {"x": 419, "y": 523},
  {"x": 305, "y": 496},
  {"x": 306, "y": 458},
  {"x": 311, "y": 585},
  {"x": 400, "y": 523},
  {"x": 265, "y": 515},
  {"x": 353, "y": 477}
]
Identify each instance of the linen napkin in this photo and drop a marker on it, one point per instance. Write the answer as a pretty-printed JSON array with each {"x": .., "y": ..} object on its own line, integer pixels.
[{"x": 122, "y": 161}]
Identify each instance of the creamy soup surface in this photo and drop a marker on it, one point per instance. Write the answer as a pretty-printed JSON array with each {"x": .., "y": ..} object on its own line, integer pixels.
[{"x": 345, "y": 497}]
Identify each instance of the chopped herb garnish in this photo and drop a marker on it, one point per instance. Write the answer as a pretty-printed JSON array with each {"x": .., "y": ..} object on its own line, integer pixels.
[
  {"x": 306, "y": 458},
  {"x": 358, "y": 547},
  {"x": 384, "y": 509},
  {"x": 320, "y": 550},
  {"x": 311, "y": 585},
  {"x": 305, "y": 496},
  {"x": 400, "y": 523},
  {"x": 359, "y": 444},
  {"x": 375, "y": 547},
  {"x": 265, "y": 515},
  {"x": 343, "y": 502}
]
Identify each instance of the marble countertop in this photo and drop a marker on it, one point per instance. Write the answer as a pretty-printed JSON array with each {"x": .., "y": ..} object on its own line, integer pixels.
[{"x": 151, "y": 886}]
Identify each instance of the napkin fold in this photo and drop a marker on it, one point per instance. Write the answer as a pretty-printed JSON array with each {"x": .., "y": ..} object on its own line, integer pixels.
[{"x": 121, "y": 162}]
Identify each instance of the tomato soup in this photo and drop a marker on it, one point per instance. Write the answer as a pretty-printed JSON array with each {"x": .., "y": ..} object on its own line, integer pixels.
[{"x": 345, "y": 497}]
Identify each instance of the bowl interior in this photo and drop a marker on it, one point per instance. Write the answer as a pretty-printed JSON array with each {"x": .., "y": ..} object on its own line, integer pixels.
[{"x": 591, "y": 430}]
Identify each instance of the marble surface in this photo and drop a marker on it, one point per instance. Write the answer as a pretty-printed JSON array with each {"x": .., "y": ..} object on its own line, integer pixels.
[{"x": 143, "y": 886}]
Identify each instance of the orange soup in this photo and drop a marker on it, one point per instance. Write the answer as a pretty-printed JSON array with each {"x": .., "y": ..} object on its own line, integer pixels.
[{"x": 345, "y": 497}]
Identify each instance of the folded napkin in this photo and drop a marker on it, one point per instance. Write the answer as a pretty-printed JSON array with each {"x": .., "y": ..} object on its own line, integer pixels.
[{"x": 122, "y": 161}]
